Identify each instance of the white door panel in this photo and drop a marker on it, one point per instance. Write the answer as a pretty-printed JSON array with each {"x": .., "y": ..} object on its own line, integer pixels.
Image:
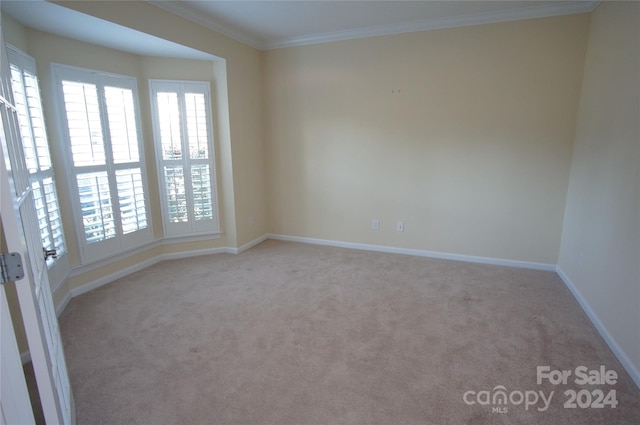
[{"x": 19, "y": 222}]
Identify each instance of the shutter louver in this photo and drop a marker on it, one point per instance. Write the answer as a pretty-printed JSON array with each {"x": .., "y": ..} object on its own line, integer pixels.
[
  {"x": 176, "y": 194},
  {"x": 131, "y": 198},
  {"x": 201, "y": 184},
  {"x": 20, "y": 100},
  {"x": 96, "y": 206},
  {"x": 53, "y": 211},
  {"x": 37, "y": 121}
]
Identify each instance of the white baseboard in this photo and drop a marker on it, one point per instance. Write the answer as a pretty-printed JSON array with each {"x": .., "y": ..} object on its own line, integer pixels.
[
  {"x": 418, "y": 253},
  {"x": 83, "y": 289},
  {"x": 147, "y": 263},
  {"x": 63, "y": 304},
  {"x": 140, "y": 266},
  {"x": 194, "y": 253},
  {"x": 251, "y": 244},
  {"x": 631, "y": 369}
]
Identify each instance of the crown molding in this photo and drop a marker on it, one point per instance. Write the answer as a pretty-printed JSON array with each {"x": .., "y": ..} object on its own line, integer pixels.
[
  {"x": 535, "y": 11},
  {"x": 184, "y": 11},
  {"x": 530, "y": 12}
]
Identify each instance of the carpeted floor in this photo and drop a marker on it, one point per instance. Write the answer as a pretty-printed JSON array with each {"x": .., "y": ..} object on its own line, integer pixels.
[{"x": 287, "y": 333}]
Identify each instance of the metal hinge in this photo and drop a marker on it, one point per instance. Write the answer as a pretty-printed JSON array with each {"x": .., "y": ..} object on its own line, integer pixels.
[{"x": 11, "y": 267}]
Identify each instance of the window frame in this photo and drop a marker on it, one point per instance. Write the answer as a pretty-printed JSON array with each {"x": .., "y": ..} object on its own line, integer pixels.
[
  {"x": 209, "y": 227},
  {"x": 121, "y": 242}
]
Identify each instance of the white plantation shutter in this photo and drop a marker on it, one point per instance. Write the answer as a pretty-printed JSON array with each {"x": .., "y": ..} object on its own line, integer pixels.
[
  {"x": 35, "y": 144},
  {"x": 176, "y": 194},
  {"x": 186, "y": 165},
  {"x": 201, "y": 186},
  {"x": 170, "y": 132},
  {"x": 101, "y": 123},
  {"x": 84, "y": 123},
  {"x": 96, "y": 206},
  {"x": 122, "y": 124},
  {"x": 53, "y": 213},
  {"x": 197, "y": 125},
  {"x": 131, "y": 198}
]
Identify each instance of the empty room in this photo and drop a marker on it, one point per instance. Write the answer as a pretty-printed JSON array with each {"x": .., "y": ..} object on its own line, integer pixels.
[{"x": 320, "y": 212}]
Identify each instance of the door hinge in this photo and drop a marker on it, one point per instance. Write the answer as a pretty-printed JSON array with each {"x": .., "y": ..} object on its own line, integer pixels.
[{"x": 11, "y": 267}]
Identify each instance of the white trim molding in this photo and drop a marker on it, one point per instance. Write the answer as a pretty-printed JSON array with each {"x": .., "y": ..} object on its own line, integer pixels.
[
  {"x": 143, "y": 265},
  {"x": 418, "y": 253},
  {"x": 626, "y": 362},
  {"x": 531, "y": 12},
  {"x": 64, "y": 302},
  {"x": 251, "y": 244},
  {"x": 184, "y": 10}
]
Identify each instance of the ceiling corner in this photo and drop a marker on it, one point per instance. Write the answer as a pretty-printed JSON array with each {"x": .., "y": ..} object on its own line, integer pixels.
[{"x": 184, "y": 11}]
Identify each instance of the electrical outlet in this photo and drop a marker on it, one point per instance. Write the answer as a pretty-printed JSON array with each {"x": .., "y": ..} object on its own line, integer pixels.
[
  {"x": 400, "y": 226},
  {"x": 375, "y": 224}
]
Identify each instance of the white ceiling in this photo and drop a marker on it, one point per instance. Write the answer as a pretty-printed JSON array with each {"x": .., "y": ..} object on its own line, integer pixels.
[{"x": 269, "y": 24}]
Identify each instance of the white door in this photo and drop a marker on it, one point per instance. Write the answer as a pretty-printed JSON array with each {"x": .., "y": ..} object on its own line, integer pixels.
[
  {"x": 19, "y": 221},
  {"x": 15, "y": 407}
]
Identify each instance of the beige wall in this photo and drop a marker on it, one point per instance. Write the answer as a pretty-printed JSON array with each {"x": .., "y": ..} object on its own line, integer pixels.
[
  {"x": 601, "y": 238},
  {"x": 14, "y": 33},
  {"x": 465, "y": 134}
]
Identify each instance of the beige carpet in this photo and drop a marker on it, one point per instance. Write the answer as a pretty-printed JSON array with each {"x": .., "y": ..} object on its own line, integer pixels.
[{"x": 288, "y": 333}]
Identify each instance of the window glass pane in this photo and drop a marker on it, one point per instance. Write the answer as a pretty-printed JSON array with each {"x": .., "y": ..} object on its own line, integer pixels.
[
  {"x": 83, "y": 120},
  {"x": 196, "y": 125},
  {"x": 201, "y": 183},
  {"x": 96, "y": 206},
  {"x": 176, "y": 194},
  {"x": 131, "y": 198},
  {"x": 122, "y": 124},
  {"x": 169, "y": 114}
]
